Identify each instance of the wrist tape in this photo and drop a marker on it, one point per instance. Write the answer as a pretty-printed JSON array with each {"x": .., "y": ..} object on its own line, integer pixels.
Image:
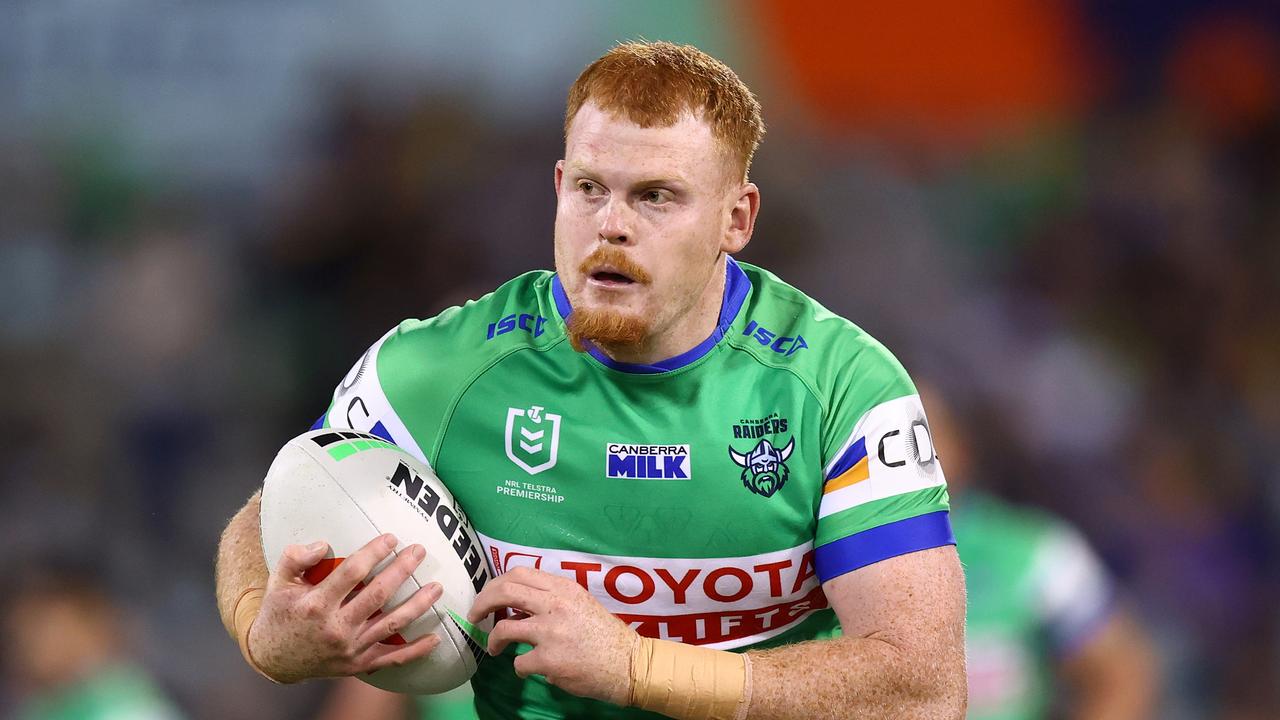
[
  {"x": 689, "y": 682},
  {"x": 242, "y": 616}
]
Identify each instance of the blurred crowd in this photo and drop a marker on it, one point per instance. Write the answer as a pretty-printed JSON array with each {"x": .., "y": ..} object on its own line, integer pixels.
[{"x": 1096, "y": 290}]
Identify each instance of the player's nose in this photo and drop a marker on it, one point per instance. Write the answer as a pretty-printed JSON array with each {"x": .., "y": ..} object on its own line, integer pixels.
[{"x": 616, "y": 222}]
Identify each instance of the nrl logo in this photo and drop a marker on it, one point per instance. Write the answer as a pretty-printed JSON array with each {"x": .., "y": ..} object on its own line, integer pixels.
[
  {"x": 764, "y": 469},
  {"x": 529, "y": 446}
]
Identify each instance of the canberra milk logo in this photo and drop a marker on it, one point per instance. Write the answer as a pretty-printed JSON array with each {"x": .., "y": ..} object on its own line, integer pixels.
[
  {"x": 533, "y": 438},
  {"x": 647, "y": 462}
]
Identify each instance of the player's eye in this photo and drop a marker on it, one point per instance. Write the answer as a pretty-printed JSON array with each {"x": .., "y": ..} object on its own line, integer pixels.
[
  {"x": 589, "y": 188},
  {"x": 654, "y": 197}
]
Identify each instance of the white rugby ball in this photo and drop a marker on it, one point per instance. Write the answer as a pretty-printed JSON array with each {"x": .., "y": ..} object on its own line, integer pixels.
[{"x": 347, "y": 488}]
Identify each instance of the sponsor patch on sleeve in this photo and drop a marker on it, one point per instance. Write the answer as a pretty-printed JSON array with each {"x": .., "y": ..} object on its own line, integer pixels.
[
  {"x": 360, "y": 404},
  {"x": 889, "y": 452}
]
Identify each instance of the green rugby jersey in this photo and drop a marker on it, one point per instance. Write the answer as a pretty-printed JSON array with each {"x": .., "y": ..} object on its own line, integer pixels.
[
  {"x": 1036, "y": 594},
  {"x": 702, "y": 499},
  {"x": 121, "y": 691},
  {"x": 457, "y": 704}
]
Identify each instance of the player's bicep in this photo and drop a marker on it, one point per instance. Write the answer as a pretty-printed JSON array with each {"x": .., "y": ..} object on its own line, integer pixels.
[
  {"x": 917, "y": 599},
  {"x": 1114, "y": 673}
]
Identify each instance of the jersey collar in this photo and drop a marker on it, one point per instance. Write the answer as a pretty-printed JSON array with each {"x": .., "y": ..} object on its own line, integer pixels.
[{"x": 736, "y": 287}]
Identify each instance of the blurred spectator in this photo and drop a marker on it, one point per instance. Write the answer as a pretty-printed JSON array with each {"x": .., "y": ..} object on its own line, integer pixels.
[{"x": 65, "y": 643}]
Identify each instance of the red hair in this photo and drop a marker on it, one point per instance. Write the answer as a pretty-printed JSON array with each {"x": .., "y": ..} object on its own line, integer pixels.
[{"x": 654, "y": 83}]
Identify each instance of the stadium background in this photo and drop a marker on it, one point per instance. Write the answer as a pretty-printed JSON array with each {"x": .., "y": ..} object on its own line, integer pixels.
[{"x": 1065, "y": 214}]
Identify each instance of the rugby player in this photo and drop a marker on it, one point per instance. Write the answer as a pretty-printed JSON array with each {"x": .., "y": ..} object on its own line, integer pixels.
[
  {"x": 705, "y": 495},
  {"x": 1048, "y": 634}
]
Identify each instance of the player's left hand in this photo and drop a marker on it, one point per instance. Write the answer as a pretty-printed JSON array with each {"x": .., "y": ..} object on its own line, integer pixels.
[{"x": 578, "y": 645}]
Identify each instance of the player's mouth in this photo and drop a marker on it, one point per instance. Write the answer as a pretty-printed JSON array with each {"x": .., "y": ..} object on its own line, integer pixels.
[
  {"x": 607, "y": 276},
  {"x": 611, "y": 269}
]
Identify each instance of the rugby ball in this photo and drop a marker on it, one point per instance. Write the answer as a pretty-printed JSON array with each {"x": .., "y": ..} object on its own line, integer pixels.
[{"x": 347, "y": 488}]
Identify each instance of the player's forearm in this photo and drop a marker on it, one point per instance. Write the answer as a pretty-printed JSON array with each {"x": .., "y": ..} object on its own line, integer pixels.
[
  {"x": 240, "y": 564},
  {"x": 858, "y": 678}
]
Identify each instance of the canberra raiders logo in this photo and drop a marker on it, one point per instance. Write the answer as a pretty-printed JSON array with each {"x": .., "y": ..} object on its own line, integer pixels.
[{"x": 764, "y": 469}]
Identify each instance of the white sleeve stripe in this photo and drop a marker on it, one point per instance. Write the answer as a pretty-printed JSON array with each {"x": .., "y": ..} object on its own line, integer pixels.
[
  {"x": 1067, "y": 640},
  {"x": 900, "y": 456},
  {"x": 1074, "y": 588},
  {"x": 858, "y": 431},
  {"x": 869, "y": 491},
  {"x": 359, "y": 403}
]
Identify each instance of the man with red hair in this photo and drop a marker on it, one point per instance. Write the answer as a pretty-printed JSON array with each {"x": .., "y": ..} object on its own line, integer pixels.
[{"x": 770, "y": 535}]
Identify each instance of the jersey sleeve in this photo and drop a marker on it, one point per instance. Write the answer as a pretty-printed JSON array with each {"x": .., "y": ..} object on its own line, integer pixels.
[
  {"x": 1072, "y": 590},
  {"x": 360, "y": 402},
  {"x": 404, "y": 388},
  {"x": 883, "y": 492}
]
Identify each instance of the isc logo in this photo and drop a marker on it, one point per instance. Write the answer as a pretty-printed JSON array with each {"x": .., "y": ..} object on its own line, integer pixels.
[
  {"x": 647, "y": 462},
  {"x": 529, "y": 323},
  {"x": 785, "y": 344}
]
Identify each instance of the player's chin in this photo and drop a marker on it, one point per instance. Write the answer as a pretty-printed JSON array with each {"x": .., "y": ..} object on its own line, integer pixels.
[
  {"x": 629, "y": 299},
  {"x": 609, "y": 324},
  {"x": 639, "y": 313}
]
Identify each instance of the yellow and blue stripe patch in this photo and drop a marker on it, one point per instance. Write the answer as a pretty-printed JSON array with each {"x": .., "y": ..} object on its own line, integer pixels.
[{"x": 852, "y": 467}]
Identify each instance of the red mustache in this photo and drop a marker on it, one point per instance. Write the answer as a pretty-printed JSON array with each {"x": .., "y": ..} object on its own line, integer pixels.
[{"x": 616, "y": 259}]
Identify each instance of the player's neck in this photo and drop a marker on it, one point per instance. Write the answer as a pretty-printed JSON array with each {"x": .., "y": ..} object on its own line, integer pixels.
[{"x": 684, "y": 334}]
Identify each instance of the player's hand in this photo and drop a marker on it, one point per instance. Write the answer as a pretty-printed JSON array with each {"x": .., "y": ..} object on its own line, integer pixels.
[
  {"x": 578, "y": 645},
  {"x": 325, "y": 630}
]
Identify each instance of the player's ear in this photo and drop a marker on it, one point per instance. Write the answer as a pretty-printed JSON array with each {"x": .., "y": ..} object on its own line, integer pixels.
[
  {"x": 559, "y": 176},
  {"x": 742, "y": 218}
]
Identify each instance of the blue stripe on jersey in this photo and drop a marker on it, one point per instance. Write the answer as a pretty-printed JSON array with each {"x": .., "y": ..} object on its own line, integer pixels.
[
  {"x": 856, "y": 452},
  {"x": 881, "y": 543},
  {"x": 319, "y": 424},
  {"x": 1065, "y": 640},
  {"x": 381, "y": 431},
  {"x": 562, "y": 300},
  {"x": 736, "y": 287}
]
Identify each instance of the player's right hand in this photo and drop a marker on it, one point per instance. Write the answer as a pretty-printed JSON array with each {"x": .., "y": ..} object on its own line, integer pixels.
[{"x": 326, "y": 630}]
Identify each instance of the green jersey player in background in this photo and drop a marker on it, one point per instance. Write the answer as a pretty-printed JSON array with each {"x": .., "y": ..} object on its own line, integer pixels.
[
  {"x": 1047, "y": 634},
  {"x": 701, "y": 493},
  {"x": 66, "y": 640}
]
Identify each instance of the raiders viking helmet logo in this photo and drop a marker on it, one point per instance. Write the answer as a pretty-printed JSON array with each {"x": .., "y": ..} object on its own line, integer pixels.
[{"x": 764, "y": 469}]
